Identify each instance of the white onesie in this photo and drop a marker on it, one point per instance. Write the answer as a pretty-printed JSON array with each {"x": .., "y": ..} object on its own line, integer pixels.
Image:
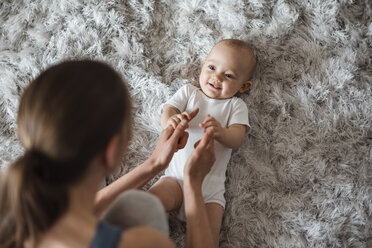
[{"x": 226, "y": 112}]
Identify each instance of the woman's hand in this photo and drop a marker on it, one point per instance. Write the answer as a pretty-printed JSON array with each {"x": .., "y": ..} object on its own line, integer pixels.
[
  {"x": 201, "y": 159},
  {"x": 199, "y": 230},
  {"x": 171, "y": 140}
]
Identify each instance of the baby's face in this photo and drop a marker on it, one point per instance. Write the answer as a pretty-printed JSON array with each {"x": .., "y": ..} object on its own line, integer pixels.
[{"x": 225, "y": 71}]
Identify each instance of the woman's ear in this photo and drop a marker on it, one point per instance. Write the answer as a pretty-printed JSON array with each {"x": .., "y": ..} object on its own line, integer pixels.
[
  {"x": 246, "y": 85},
  {"x": 111, "y": 155}
]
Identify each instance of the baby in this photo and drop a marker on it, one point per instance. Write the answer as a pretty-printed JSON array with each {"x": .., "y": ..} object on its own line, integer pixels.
[{"x": 225, "y": 72}]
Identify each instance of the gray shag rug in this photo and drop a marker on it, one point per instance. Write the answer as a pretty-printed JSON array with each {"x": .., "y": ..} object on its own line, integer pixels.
[{"x": 303, "y": 177}]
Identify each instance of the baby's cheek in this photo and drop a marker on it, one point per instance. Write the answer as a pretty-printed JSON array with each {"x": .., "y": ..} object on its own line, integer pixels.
[{"x": 202, "y": 76}]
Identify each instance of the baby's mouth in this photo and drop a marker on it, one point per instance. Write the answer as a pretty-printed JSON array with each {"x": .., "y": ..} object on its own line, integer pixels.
[{"x": 214, "y": 86}]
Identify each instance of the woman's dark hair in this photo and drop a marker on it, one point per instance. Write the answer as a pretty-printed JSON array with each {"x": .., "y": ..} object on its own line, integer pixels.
[{"x": 67, "y": 116}]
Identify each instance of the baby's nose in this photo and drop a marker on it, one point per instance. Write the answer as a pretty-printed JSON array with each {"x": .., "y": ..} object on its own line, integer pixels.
[{"x": 218, "y": 78}]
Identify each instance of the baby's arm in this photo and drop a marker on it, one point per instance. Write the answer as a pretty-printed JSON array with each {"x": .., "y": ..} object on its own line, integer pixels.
[
  {"x": 168, "y": 111},
  {"x": 232, "y": 136}
]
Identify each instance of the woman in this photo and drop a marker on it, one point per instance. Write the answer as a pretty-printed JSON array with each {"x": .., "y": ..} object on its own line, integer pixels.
[{"x": 74, "y": 122}]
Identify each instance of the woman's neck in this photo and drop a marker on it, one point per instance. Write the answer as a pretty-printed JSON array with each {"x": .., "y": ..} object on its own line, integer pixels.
[{"x": 77, "y": 227}]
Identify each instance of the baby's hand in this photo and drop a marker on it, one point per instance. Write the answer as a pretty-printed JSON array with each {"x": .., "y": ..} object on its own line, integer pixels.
[
  {"x": 211, "y": 125},
  {"x": 174, "y": 120}
]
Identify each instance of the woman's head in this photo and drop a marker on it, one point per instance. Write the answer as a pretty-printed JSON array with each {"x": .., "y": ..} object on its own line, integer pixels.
[
  {"x": 72, "y": 110},
  {"x": 67, "y": 116}
]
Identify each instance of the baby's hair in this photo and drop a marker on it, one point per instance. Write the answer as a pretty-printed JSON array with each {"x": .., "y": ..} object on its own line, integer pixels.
[{"x": 240, "y": 44}]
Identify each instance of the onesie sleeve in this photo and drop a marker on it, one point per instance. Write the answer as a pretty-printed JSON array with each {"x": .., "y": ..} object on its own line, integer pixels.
[
  {"x": 181, "y": 97},
  {"x": 239, "y": 113}
]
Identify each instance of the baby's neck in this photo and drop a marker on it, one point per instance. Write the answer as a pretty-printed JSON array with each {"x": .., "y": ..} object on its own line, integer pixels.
[{"x": 215, "y": 98}]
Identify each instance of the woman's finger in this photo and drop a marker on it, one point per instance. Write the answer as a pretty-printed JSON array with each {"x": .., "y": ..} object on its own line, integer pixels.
[
  {"x": 182, "y": 142},
  {"x": 193, "y": 113},
  {"x": 167, "y": 132},
  {"x": 206, "y": 140},
  {"x": 179, "y": 131},
  {"x": 210, "y": 144},
  {"x": 197, "y": 143}
]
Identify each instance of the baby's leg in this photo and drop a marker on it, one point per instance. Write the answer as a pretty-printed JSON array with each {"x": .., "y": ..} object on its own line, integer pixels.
[
  {"x": 168, "y": 190},
  {"x": 137, "y": 208},
  {"x": 215, "y": 213}
]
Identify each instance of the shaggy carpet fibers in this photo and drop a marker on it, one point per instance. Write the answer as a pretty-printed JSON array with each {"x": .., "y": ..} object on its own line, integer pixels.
[{"x": 303, "y": 177}]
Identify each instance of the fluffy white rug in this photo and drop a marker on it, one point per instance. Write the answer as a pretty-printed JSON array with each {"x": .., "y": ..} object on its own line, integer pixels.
[{"x": 303, "y": 177}]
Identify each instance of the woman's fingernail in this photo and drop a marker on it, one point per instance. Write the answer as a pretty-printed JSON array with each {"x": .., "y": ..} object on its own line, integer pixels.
[{"x": 183, "y": 122}]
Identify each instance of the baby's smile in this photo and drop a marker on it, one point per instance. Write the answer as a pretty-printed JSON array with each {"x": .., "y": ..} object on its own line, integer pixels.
[{"x": 215, "y": 86}]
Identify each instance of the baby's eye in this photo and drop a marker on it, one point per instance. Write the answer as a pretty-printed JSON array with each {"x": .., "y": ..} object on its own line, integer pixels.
[
  {"x": 211, "y": 67},
  {"x": 228, "y": 75}
]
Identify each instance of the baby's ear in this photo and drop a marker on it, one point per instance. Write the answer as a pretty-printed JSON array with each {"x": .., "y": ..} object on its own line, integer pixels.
[{"x": 246, "y": 85}]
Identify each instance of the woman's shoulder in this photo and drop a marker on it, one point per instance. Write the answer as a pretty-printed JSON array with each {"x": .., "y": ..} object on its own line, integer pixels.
[{"x": 144, "y": 237}]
